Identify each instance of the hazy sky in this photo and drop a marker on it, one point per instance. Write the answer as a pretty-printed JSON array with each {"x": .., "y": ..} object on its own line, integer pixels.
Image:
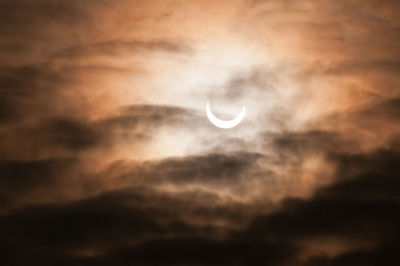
[{"x": 107, "y": 156}]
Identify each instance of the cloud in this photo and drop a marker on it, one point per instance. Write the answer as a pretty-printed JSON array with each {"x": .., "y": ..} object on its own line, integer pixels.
[
  {"x": 106, "y": 158},
  {"x": 129, "y": 225},
  {"x": 33, "y": 181},
  {"x": 67, "y": 135},
  {"x": 24, "y": 90},
  {"x": 113, "y": 48},
  {"x": 362, "y": 207},
  {"x": 211, "y": 168}
]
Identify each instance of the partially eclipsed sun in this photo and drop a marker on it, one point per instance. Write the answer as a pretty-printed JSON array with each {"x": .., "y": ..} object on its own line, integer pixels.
[{"x": 224, "y": 123}]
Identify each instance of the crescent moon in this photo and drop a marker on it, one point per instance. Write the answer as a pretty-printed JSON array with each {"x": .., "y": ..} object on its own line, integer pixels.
[{"x": 224, "y": 123}]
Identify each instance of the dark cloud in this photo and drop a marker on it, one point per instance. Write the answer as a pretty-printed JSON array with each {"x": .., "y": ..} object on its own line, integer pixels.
[
  {"x": 24, "y": 91},
  {"x": 115, "y": 48},
  {"x": 108, "y": 226},
  {"x": 304, "y": 143},
  {"x": 21, "y": 180},
  {"x": 135, "y": 226},
  {"x": 212, "y": 168},
  {"x": 141, "y": 115},
  {"x": 31, "y": 29},
  {"x": 69, "y": 135},
  {"x": 28, "y": 174},
  {"x": 362, "y": 207},
  {"x": 144, "y": 226}
]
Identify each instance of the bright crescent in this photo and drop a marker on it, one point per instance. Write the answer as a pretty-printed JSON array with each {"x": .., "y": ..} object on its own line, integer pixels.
[{"x": 224, "y": 123}]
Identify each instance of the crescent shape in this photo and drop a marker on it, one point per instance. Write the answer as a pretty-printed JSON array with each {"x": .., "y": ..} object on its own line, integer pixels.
[{"x": 224, "y": 123}]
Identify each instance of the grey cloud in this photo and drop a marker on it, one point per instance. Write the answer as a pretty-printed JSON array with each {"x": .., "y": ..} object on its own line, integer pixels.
[
  {"x": 67, "y": 135},
  {"x": 24, "y": 91},
  {"x": 33, "y": 28},
  {"x": 361, "y": 207},
  {"x": 107, "y": 224},
  {"x": 217, "y": 169},
  {"x": 23, "y": 179},
  {"x": 379, "y": 119},
  {"x": 157, "y": 114},
  {"x": 258, "y": 79},
  {"x": 115, "y": 48}
]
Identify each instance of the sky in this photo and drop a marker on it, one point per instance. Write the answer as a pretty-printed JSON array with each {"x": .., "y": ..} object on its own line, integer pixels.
[{"x": 107, "y": 156}]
